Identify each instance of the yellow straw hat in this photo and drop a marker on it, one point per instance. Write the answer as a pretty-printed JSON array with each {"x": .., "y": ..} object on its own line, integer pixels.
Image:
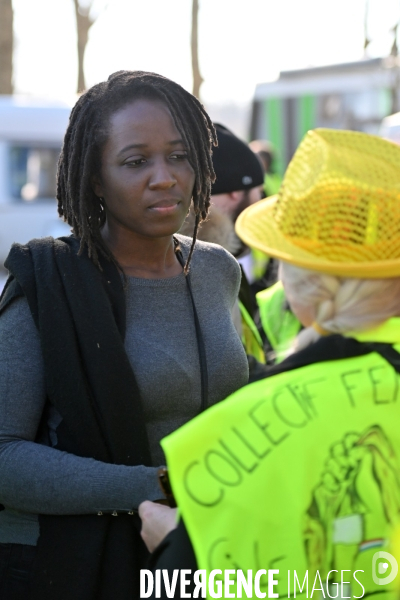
[{"x": 338, "y": 209}]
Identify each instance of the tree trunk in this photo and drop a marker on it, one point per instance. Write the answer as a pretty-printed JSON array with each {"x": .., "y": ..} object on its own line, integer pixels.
[
  {"x": 367, "y": 41},
  {"x": 83, "y": 24},
  {"x": 197, "y": 78},
  {"x": 394, "y": 51},
  {"x": 6, "y": 47}
]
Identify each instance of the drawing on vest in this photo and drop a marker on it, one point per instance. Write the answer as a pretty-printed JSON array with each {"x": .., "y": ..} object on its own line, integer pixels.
[
  {"x": 220, "y": 557},
  {"x": 356, "y": 504}
]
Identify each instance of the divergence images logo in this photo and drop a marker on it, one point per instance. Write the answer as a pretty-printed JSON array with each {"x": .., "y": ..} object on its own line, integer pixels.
[{"x": 384, "y": 563}]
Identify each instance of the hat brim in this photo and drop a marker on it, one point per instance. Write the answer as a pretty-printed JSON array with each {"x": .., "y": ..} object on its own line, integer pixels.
[{"x": 257, "y": 228}]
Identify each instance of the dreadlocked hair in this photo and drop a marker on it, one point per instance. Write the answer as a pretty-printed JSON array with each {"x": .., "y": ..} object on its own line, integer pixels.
[{"x": 87, "y": 132}]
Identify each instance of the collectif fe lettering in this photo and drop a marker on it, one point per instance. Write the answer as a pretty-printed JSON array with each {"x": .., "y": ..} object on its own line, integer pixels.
[{"x": 270, "y": 422}]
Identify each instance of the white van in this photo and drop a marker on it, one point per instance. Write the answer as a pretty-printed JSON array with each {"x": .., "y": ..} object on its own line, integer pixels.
[
  {"x": 390, "y": 128},
  {"x": 31, "y": 134}
]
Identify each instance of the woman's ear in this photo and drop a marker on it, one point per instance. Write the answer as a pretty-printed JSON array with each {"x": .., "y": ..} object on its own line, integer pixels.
[{"x": 96, "y": 186}]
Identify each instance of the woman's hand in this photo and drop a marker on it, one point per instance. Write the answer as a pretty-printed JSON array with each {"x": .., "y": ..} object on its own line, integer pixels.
[{"x": 157, "y": 521}]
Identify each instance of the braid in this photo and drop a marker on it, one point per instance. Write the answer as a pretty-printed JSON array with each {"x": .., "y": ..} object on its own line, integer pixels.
[{"x": 80, "y": 158}]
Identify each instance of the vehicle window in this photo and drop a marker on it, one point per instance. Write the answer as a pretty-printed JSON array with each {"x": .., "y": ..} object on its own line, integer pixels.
[{"x": 32, "y": 171}]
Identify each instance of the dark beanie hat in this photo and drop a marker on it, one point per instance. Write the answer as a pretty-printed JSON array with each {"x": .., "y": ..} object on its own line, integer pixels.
[{"x": 235, "y": 165}]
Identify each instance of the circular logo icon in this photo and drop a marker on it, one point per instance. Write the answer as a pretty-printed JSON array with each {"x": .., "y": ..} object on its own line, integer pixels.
[{"x": 384, "y": 568}]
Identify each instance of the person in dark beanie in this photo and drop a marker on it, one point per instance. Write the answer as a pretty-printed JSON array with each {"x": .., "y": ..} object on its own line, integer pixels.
[
  {"x": 239, "y": 180},
  {"x": 239, "y": 174},
  {"x": 238, "y": 184}
]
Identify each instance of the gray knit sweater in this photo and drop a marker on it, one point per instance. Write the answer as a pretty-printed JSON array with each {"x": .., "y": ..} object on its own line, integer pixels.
[{"x": 161, "y": 345}]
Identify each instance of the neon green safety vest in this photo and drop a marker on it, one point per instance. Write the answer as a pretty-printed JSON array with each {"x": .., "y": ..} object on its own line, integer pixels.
[
  {"x": 300, "y": 473},
  {"x": 279, "y": 323},
  {"x": 251, "y": 338},
  {"x": 259, "y": 263}
]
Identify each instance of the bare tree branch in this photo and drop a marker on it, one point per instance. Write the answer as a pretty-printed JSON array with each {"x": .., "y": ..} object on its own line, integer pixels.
[
  {"x": 83, "y": 24},
  {"x": 6, "y": 46},
  {"x": 394, "y": 51},
  {"x": 367, "y": 41},
  {"x": 197, "y": 78}
]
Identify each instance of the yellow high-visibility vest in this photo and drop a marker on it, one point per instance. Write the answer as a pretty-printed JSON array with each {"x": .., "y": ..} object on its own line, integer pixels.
[
  {"x": 300, "y": 473},
  {"x": 259, "y": 263},
  {"x": 279, "y": 323},
  {"x": 251, "y": 338}
]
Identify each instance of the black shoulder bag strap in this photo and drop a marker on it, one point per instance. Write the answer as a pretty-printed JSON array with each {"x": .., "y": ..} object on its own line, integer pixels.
[
  {"x": 199, "y": 337},
  {"x": 332, "y": 347},
  {"x": 387, "y": 352}
]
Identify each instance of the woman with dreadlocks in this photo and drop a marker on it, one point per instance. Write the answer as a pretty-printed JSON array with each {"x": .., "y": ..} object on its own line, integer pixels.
[{"x": 110, "y": 339}]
